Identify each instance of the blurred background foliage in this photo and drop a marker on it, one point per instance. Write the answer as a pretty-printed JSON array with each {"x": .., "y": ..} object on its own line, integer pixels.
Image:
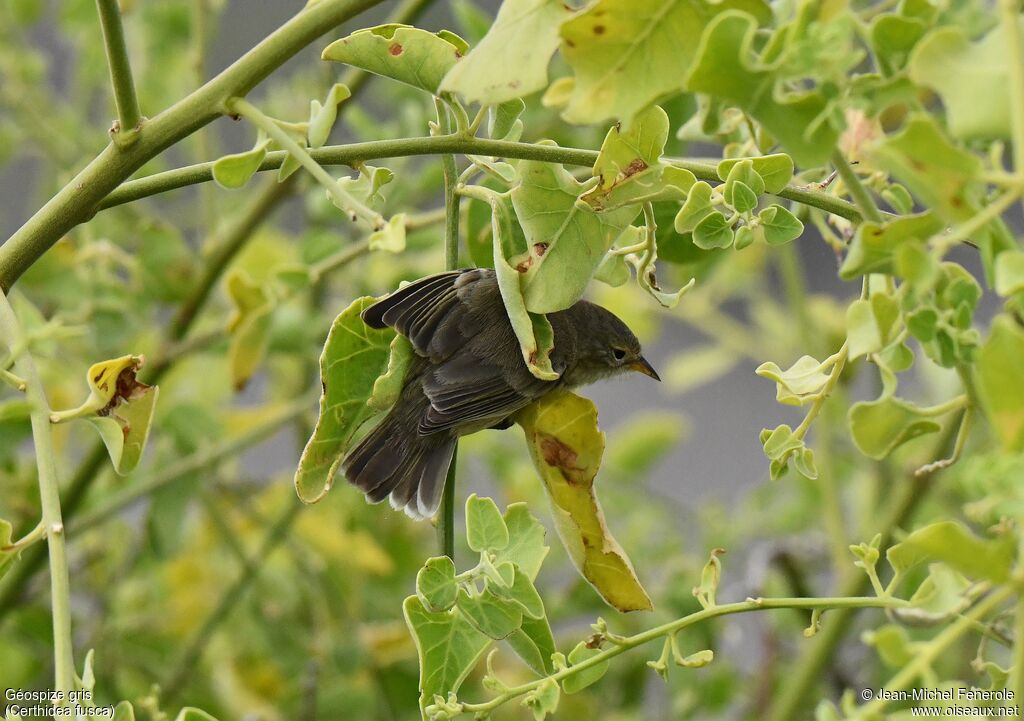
[{"x": 215, "y": 588}]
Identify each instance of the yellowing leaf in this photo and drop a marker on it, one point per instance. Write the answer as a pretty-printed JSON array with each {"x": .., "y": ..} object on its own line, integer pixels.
[
  {"x": 628, "y": 53},
  {"x": 120, "y": 407},
  {"x": 566, "y": 446},
  {"x": 511, "y": 60},
  {"x": 249, "y": 326},
  {"x": 354, "y": 357},
  {"x": 800, "y": 383}
]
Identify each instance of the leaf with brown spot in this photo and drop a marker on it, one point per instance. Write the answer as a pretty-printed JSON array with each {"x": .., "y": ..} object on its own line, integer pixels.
[
  {"x": 566, "y": 446},
  {"x": 120, "y": 407}
]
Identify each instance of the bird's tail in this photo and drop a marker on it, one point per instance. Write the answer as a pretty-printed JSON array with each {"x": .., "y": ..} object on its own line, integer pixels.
[{"x": 396, "y": 462}]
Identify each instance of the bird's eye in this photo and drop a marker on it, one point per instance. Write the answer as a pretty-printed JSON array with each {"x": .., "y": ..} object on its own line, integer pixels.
[{"x": 619, "y": 354}]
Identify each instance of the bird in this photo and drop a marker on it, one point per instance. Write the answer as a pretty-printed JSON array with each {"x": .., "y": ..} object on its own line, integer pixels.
[{"x": 468, "y": 374}]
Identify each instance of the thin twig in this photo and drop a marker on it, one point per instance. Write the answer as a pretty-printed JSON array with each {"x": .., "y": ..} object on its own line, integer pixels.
[{"x": 128, "y": 113}]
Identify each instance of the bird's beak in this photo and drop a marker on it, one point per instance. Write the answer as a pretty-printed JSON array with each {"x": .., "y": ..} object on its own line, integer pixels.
[{"x": 640, "y": 365}]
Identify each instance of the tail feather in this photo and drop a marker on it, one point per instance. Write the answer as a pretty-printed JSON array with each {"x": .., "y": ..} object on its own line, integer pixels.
[{"x": 409, "y": 468}]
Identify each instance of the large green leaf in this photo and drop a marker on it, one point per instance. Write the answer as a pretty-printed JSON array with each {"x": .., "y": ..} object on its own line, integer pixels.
[
  {"x": 511, "y": 61},
  {"x": 534, "y": 333},
  {"x": 952, "y": 543},
  {"x": 1000, "y": 374},
  {"x": 878, "y": 427},
  {"x": 566, "y": 446},
  {"x": 725, "y": 68},
  {"x": 447, "y": 645},
  {"x": 407, "y": 54},
  {"x": 874, "y": 246},
  {"x": 526, "y": 546},
  {"x": 354, "y": 356},
  {"x": 566, "y": 243},
  {"x": 971, "y": 78},
  {"x": 626, "y": 54}
]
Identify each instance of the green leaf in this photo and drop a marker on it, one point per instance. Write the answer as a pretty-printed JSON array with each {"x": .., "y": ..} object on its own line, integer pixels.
[
  {"x": 581, "y": 679},
  {"x": 780, "y": 225},
  {"x": 713, "y": 231},
  {"x": 534, "y": 643},
  {"x": 485, "y": 528},
  {"x": 952, "y": 543},
  {"x": 489, "y": 613},
  {"x": 613, "y": 270},
  {"x": 781, "y": 446},
  {"x": 388, "y": 387},
  {"x": 322, "y": 117},
  {"x": 698, "y": 659},
  {"x": 354, "y": 356},
  {"x": 878, "y": 427},
  {"x": 940, "y": 596},
  {"x": 543, "y": 700},
  {"x": 893, "y": 645},
  {"x": 724, "y": 68},
  {"x": 534, "y": 333},
  {"x": 1009, "y": 272},
  {"x": 874, "y": 245},
  {"x": 970, "y": 77},
  {"x": 566, "y": 446},
  {"x": 234, "y": 171},
  {"x": 7, "y": 554},
  {"x": 125, "y": 429},
  {"x": 390, "y": 238},
  {"x": 800, "y": 383},
  {"x": 406, "y": 54},
  {"x": 501, "y": 119},
  {"x": 775, "y": 170},
  {"x": 525, "y": 596},
  {"x": 447, "y": 645},
  {"x": 742, "y": 174},
  {"x": 626, "y": 54},
  {"x": 696, "y": 208},
  {"x": 624, "y": 153},
  {"x": 512, "y": 59},
  {"x": 871, "y": 323},
  {"x": 368, "y": 184},
  {"x": 893, "y": 37},
  {"x": 941, "y": 176},
  {"x": 565, "y": 242},
  {"x": 124, "y": 711},
  {"x": 526, "y": 546},
  {"x": 1000, "y": 377},
  {"x": 249, "y": 325},
  {"x": 435, "y": 584},
  {"x": 193, "y": 714}
]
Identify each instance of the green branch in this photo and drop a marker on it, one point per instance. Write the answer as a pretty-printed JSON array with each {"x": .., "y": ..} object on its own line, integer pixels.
[
  {"x": 128, "y": 114},
  {"x": 79, "y": 199},
  {"x": 49, "y": 492},
  {"x": 441, "y": 145},
  {"x": 275, "y": 132},
  {"x": 446, "y": 514},
  {"x": 621, "y": 645},
  {"x": 927, "y": 653},
  {"x": 860, "y": 194}
]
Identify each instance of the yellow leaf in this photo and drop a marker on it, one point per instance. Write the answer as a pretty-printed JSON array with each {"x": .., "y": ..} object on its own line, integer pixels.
[{"x": 566, "y": 446}]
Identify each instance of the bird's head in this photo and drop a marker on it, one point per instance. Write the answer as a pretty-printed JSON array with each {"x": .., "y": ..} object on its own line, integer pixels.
[{"x": 605, "y": 346}]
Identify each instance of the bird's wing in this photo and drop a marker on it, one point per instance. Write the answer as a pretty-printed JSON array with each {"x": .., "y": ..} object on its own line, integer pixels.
[
  {"x": 473, "y": 377},
  {"x": 417, "y": 310}
]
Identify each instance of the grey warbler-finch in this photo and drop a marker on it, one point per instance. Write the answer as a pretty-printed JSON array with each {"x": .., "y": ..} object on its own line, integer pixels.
[{"x": 468, "y": 374}]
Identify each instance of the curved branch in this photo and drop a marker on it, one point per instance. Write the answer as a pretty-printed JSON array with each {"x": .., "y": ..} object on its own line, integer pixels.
[
  {"x": 77, "y": 201},
  {"x": 444, "y": 145}
]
